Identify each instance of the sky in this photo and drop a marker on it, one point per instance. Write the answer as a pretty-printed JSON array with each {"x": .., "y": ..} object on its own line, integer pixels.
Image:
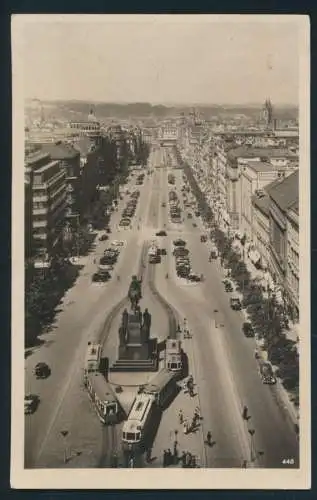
[{"x": 162, "y": 59}]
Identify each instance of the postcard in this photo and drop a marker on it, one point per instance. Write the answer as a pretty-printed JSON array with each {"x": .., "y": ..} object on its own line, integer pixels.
[{"x": 161, "y": 252}]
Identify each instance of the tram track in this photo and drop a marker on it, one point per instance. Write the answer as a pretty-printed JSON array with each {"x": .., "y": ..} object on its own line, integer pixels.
[
  {"x": 110, "y": 449},
  {"x": 171, "y": 313}
]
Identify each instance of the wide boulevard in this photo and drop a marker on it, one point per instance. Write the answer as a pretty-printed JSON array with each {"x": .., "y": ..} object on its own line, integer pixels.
[{"x": 221, "y": 359}]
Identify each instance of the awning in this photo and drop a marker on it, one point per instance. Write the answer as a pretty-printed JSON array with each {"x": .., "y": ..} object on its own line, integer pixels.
[{"x": 254, "y": 256}]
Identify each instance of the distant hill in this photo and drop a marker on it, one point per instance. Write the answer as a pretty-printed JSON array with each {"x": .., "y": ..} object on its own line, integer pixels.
[{"x": 143, "y": 109}]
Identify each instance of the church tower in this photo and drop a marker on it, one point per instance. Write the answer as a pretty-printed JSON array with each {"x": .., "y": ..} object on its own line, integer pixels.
[{"x": 267, "y": 113}]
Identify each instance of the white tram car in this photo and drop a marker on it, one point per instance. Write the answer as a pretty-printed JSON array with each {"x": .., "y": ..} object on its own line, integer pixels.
[
  {"x": 103, "y": 398},
  {"x": 93, "y": 358},
  {"x": 136, "y": 426},
  {"x": 173, "y": 355}
]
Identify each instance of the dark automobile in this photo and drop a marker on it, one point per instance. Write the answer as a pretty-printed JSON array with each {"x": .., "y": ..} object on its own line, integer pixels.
[
  {"x": 161, "y": 233},
  {"x": 197, "y": 213},
  {"x": 163, "y": 205},
  {"x": 163, "y": 251},
  {"x": 108, "y": 230},
  {"x": 31, "y": 402},
  {"x": 235, "y": 304},
  {"x": 179, "y": 243},
  {"x": 228, "y": 287},
  {"x": 203, "y": 238},
  {"x": 103, "y": 237},
  {"x": 267, "y": 374},
  {"x": 247, "y": 329},
  {"x": 194, "y": 224},
  {"x": 42, "y": 370},
  {"x": 189, "y": 216},
  {"x": 101, "y": 277}
]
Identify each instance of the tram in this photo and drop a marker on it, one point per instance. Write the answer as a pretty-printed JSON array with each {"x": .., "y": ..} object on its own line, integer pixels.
[
  {"x": 173, "y": 355},
  {"x": 103, "y": 398},
  {"x": 93, "y": 358},
  {"x": 162, "y": 387},
  {"x": 136, "y": 427}
]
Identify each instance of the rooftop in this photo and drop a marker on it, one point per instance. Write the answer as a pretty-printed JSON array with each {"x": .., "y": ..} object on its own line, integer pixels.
[
  {"x": 262, "y": 203},
  {"x": 60, "y": 151},
  {"x": 35, "y": 156},
  {"x": 261, "y": 166},
  {"x": 284, "y": 192},
  {"x": 251, "y": 152}
]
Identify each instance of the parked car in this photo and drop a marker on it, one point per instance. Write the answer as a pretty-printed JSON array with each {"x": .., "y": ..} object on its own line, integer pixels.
[
  {"x": 107, "y": 229},
  {"x": 103, "y": 237},
  {"x": 163, "y": 205},
  {"x": 189, "y": 216},
  {"x": 42, "y": 370},
  {"x": 124, "y": 222},
  {"x": 117, "y": 243},
  {"x": 248, "y": 329},
  {"x": 194, "y": 224},
  {"x": 266, "y": 373},
  {"x": 31, "y": 402},
  {"x": 161, "y": 233},
  {"x": 235, "y": 304},
  {"x": 194, "y": 277},
  {"x": 203, "y": 238},
  {"x": 179, "y": 243},
  {"x": 163, "y": 251},
  {"x": 228, "y": 286},
  {"x": 197, "y": 213},
  {"x": 101, "y": 277}
]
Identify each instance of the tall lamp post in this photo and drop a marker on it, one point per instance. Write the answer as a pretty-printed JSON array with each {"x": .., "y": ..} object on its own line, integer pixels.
[
  {"x": 251, "y": 432},
  {"x": 215, "y": 312}
]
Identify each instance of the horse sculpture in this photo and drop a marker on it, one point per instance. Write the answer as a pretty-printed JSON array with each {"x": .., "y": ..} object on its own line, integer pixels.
[{"x": 134, "y": 293}]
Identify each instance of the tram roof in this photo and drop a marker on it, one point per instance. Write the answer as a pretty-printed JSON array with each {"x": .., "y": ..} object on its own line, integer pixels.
[
  {"x": 101, "y": 387},
  {"x": 159, "y": 381}
]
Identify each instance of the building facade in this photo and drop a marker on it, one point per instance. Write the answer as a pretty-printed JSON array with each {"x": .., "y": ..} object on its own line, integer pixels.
[
  {"x": 292, "y": 275},
  {"x": 283, "y": 196},
  {"x": 69, "y": 160},
  {"x": 261, "y": 228},
  {"x": 255, "y": 175},
  {"x": 48, "y": 182}
]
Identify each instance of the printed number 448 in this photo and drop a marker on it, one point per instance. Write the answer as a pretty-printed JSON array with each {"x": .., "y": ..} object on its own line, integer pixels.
[{"x": 288, "y": 461}]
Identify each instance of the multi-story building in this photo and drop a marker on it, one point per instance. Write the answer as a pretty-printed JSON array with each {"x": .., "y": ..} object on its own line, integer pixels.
[
  {"x": 87, "y": 128},
  {"x": 261, "y": 229},
  {"x": 254, "y": 176},
  {"x": 292, "y": 273},
  {"x": 283, "y": 197},
  {"x": 48, "y": 183},
  {"x": 69, "y": 159},
  {"x": 237, "y": 157}
]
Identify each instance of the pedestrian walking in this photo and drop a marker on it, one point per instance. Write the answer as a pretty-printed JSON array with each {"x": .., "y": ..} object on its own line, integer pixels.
[
  {"x": 181, "y": 416},
  {"x": 148, "y": 455},
  {"x": 209, "y": 438},
  {"x": 188, "y": 459},
  {"x": 175, "y": 452},
  {"x": 164, "y": 458},
  {"x": 245, "y": 413},
  {"x": 183, "y": 459},
  {"x": 169, "y": 457},
  {"x": 185, "y": 427},
  {"x": 244, "y": 464}
]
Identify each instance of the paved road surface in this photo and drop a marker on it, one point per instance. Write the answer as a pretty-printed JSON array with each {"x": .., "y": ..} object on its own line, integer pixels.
[{"x": 225, "y": 368}]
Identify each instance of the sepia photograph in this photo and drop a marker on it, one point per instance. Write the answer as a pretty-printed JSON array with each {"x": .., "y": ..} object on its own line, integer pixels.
[{"x": 161, "y": 251}]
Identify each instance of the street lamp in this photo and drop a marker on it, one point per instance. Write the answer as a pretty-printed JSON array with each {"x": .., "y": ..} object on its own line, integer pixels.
[
  {"x": 251, "y": 432},
  {"x": 215, "y": 312}
]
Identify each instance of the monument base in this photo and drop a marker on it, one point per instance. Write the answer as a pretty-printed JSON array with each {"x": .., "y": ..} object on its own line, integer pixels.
[{"x": 137, "y": 357}]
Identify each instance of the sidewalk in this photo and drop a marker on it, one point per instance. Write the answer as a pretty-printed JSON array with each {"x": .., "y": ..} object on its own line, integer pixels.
[{"x": 171, "y": 430}]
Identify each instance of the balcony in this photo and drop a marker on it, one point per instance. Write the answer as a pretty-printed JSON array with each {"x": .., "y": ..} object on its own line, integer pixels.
[{"x": 39, "y": 211}]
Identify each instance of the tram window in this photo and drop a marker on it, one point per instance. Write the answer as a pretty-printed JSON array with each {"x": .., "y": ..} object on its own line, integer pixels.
[
  {"x": 173, "y": 365},
  {"x": 130, "y": 436},
  {"x": 138, "y": 436}
]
